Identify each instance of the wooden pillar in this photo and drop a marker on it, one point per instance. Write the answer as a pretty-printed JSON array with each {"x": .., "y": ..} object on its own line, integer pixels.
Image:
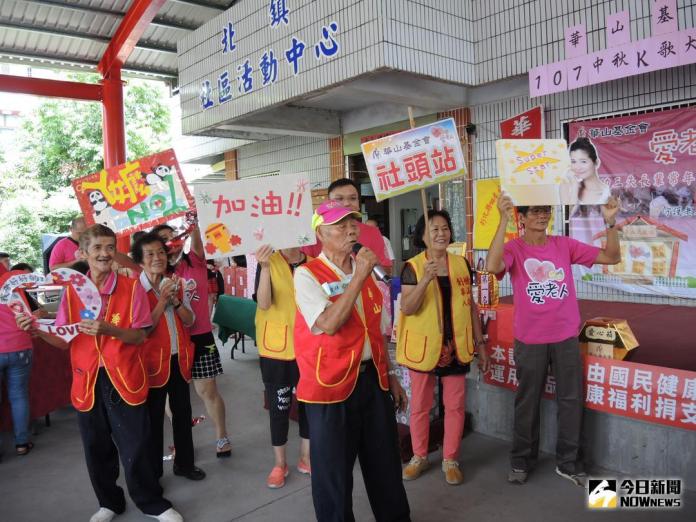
[
  {"x": 231, "y": 165},
  {"x": 336, "y": 160}
]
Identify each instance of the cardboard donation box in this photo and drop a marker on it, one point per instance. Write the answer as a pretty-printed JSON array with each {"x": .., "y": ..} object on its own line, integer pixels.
[{"x": 607, "y": 337}]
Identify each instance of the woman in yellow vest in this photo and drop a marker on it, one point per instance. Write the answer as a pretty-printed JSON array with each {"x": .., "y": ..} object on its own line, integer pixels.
[
  {"x": 438, "y": 333},
  {"x": 275, "y": 323}
]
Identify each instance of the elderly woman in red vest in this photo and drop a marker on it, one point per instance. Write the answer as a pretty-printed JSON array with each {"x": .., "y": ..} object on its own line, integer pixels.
[
  {"x": 439, "y": 331},
  {"x": 168, "y": 354},
  {"x": 109, "y": 386},
  {"x": 344, "y": 381},
  {"x": 274, "y": 294}
]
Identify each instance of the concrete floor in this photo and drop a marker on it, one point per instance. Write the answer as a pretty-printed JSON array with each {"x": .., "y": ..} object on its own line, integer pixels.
[{"x": 52, "y": 483}]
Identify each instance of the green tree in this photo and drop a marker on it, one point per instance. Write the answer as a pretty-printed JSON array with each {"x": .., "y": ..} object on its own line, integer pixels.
[{"x": 61, "y": 141}]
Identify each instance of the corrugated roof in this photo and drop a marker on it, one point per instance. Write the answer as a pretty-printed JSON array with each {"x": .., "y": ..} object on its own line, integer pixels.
[{"x": 74, "y": 33}]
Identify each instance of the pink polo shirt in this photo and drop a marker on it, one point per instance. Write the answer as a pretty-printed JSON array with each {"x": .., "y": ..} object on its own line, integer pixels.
[
  {"x": 546, "y": 307},
  {"x": 64, "y": 251},
  {"x": 368, "y": 236},
  {"x": 12, "y": 339},
  {"x": 197, "y": 290}
]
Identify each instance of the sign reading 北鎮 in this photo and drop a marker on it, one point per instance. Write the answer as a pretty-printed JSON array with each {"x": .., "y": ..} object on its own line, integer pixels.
[
  {"x": 237, "y": 217},
  {"x": 414, "y": 159},
  {"x": 135, "y": 195}
]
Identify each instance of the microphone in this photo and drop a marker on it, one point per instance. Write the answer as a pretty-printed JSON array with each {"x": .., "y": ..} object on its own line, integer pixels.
[{"x": 377, "y": 270}]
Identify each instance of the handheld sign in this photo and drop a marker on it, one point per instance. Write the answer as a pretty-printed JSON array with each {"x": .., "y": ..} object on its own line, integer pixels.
[
  {"x": 136, "y": 195},
  {"x": 14, "y": 284},
  {"x": 237, "y": 217},
  {"x": 414, "y": 159},
  {"x": 534, "y": 172}
]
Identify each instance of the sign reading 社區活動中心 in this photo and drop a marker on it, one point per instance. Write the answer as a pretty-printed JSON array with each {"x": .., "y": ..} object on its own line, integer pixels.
[
  {"x": 268, "y": 65},
  {"x": 414, "y": 159},
  {"x": 237, "y": 217}
]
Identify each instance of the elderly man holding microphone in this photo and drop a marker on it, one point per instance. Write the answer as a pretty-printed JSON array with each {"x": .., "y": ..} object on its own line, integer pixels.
[{"x": 345, "y": 384}]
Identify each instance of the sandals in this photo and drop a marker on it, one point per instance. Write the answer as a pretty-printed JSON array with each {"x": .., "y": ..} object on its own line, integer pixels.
[
  {"x": 223, "y": 443},
  {"x": 24, "y": 449}
]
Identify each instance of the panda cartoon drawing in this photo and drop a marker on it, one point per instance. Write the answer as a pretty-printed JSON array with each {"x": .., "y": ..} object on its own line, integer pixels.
[
  {"x": 157, "y": 175},
  {"x": 98, "y": 201}
]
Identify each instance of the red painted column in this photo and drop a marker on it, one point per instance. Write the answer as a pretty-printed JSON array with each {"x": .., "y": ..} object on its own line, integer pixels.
[
  {"x": 114, "y": 131},
  {"x": 114, "y": 128}
]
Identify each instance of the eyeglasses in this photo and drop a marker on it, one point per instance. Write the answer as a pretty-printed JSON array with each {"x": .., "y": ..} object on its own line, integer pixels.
[{"x": 536, "y": 211}]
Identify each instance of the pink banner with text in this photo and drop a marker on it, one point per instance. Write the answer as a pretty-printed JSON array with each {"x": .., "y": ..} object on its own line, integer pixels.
[{"x": 649, "y": 162}]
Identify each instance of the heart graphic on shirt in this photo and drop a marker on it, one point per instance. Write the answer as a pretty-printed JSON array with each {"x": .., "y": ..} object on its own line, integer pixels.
[{"x": 542, "y": 271}]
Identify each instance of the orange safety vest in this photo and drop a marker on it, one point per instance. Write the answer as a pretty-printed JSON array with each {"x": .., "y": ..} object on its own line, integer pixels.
[
  {"x": 329, "y": 364},
  {"x": 123, "y": 362},
  {"x": 419, "y": 340},
  {"x": 157, "y": 348},
  {"x": 275, "y": 326}
]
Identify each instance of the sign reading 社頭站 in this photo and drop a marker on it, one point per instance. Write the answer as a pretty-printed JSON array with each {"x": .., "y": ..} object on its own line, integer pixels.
[{"x": 414, "y": 159}]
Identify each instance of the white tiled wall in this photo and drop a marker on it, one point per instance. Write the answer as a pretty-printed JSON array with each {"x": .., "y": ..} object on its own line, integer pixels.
[{"x": 287, "y": 155}]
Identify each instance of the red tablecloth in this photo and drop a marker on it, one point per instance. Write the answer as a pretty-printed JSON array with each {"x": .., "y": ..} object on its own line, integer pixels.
[{"x": 49, "y": 386}]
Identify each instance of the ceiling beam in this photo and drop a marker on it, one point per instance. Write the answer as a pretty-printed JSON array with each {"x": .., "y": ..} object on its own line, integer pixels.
[
  {"x": 77, "y": 63},
  {"x": 129, "y": 31},
  {"x": 159, "y": 20},
  {"x": 205, "y": 3},
  {"x": 51, "y": 88},
  {"x": 81, "y": 35}
]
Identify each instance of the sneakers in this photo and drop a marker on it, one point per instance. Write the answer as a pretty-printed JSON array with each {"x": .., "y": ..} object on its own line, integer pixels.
[
  {"x": 103, "y": 515},
  {"x": 517, "y": 476},
  {"x": 171, "y": 515},
  {"x": 276, "y": 478},
  {"x": 579, "y": 478},
  {"x": 302, "y": 467},
  {"x": 453, "y": 475},
  {"x": 415, "y": 467}
]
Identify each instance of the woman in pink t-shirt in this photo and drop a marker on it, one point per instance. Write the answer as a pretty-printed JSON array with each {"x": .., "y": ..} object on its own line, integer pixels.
[
  {"x": 15, "y": 368},
  {"x": 206, "y": 360},
  {"x": 546, "y": 323}
]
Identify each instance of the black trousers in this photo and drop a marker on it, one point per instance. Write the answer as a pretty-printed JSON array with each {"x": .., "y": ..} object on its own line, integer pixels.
[
  {"x": 279, "y": 398},
  {"x": 113, "y": 428},
  {"x": 364, "y": 426},
  {"x": 180, "y": 405},
  {"x": 532, "y": 361}
]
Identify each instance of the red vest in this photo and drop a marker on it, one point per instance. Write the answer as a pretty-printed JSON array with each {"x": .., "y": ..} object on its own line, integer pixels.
[
  {"x": 122, "y": 361},
  {"x": 157, "y": 348},
  {"x": 329, "y": 364}
]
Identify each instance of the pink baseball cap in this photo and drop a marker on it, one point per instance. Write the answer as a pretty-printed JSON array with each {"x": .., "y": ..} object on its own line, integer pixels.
[{"x": 330, "y": 212}]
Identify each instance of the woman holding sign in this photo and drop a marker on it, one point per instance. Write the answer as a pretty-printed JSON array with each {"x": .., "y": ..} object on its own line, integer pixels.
[
  {"x": 438, "y": 333},
  {"x": 275, "y": 322}
]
